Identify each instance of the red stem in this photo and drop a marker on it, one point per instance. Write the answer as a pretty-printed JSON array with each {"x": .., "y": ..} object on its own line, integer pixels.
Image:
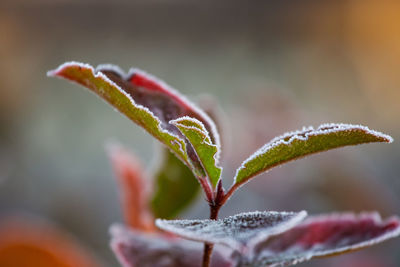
[
  {"x": 229, "y": 194},
  {"x": 218, "y": 201},
  {"x": 208, "y": 248}
]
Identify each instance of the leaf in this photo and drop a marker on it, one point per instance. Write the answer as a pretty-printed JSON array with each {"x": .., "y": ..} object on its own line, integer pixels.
[
  {"x": 135, "y": 249},
  {"x": 206, "y": 151},
  {"x": 134, "y": 191},
  {"x": 324, "y": 235},
  {"x": 210, "y": 106},
  {"x": 26, "y": 241},
  {"x": 174, "y": 190},
  {"x": 294, "y": 145},
  {"x": 239, "y": 232},
  {"x": 145, "y": 100}
]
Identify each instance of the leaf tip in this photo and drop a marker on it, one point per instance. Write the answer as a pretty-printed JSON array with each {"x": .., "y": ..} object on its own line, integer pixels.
[
  {"x": 387, "y": 138},
  {"x": 302, "y": 214},
  {"x": 380, "y": 137},
  {"x": 57, "y": 71},
  {"x": 159, "y": 222},
  {"x": 393, "y": 223},
  {"x": 163, "y": 224},
  {"x": 51, "y": 73}
]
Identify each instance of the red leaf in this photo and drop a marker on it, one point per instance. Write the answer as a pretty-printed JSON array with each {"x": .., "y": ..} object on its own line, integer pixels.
[
  {"x": 137, "y": 249},
  {"x": 325, "y": 235},
  {"x": 166, "y": 103},
  {"x": 148, "y": 102},
  {"x": 133, "y": 188}
]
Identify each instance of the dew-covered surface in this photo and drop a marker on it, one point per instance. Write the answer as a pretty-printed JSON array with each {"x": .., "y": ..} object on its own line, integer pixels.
[
  {"x": 334, "y": 60},
  {"x": 135, "y": 249},
  {"x": 297, "y": 144},
  {"x": 147, "y": 101},
  {"x": 101, "y": 85},
  {"x": 324, "y": 235},
  {"x": 239, "y": 232},
  {"x": 207, "y": 152},
  {"x": 163, "y": 101}
]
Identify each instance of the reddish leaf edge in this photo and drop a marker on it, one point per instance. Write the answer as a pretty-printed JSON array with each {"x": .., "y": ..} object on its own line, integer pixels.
[
  {"x": 297, "y": 218},
  {"x": 58, "y": 72},
  {"x": 393, "y": 222},
  {"x": 305, "y": 242},
  {"x": 153, "y": 82},
  {"x": 161, "y": 250}
]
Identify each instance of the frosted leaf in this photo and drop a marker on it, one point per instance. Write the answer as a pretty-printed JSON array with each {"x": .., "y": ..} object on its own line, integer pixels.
[
  {"x": 206, "y": 151},
  {"x": 167, "y": 202},
  {"x": 135, "y": 249},
  {"x": 240, "y": 232},
  {"x": 145, "y": 100},
  {"x": 324, "y": 235},
  {"x": 294, "y": 145},
  {"x": 211, "y": 107}
]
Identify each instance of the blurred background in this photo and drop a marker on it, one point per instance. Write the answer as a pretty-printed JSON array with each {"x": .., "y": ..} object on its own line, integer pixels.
[{"x": 273, "y": 66}]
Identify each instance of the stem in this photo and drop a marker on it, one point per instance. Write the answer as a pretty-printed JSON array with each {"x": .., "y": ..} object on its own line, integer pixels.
[
  {"x": 229, "y": 193},
  {"x": 208, "y": 248},
  {"x": 217, "y": 202}
]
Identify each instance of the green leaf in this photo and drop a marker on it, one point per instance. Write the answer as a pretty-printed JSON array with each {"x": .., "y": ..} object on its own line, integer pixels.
[
  {"x": 145, "y": 100},
  {"x": 294, "y": 145},
  {"x": 101, "y": 85},
  {"x": 174, "y": 189},
  {"x": 206, "y": 151}
]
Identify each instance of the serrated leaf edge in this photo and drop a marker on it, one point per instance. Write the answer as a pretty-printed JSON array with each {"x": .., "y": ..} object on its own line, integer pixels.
[
  {"x": 334, "y": 127},
  {"x": 170, "y": 91},
  {"x": 99, "y": 74},
  {"x": 352, "y": 216},
  {"x": 206, "y": 139},
  {"x": 343, "y": 215},
  {"x": 283, "y": 227}
]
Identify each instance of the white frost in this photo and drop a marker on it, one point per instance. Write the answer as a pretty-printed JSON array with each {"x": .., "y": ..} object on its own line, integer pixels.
[
  {"x": 305, "y": 133},
  {"x": 99, "y": 74},
  {"x": 135, "y": 248},
  {"x": 183, "y": 98},
  {"x": 200, "y": 129},
  {"x": 240, "y": 232},
  {"x": 271, "y": 254}
]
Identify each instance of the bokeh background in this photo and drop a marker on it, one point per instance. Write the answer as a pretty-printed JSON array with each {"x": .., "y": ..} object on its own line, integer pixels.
[{"x": 273, "y": 66}]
